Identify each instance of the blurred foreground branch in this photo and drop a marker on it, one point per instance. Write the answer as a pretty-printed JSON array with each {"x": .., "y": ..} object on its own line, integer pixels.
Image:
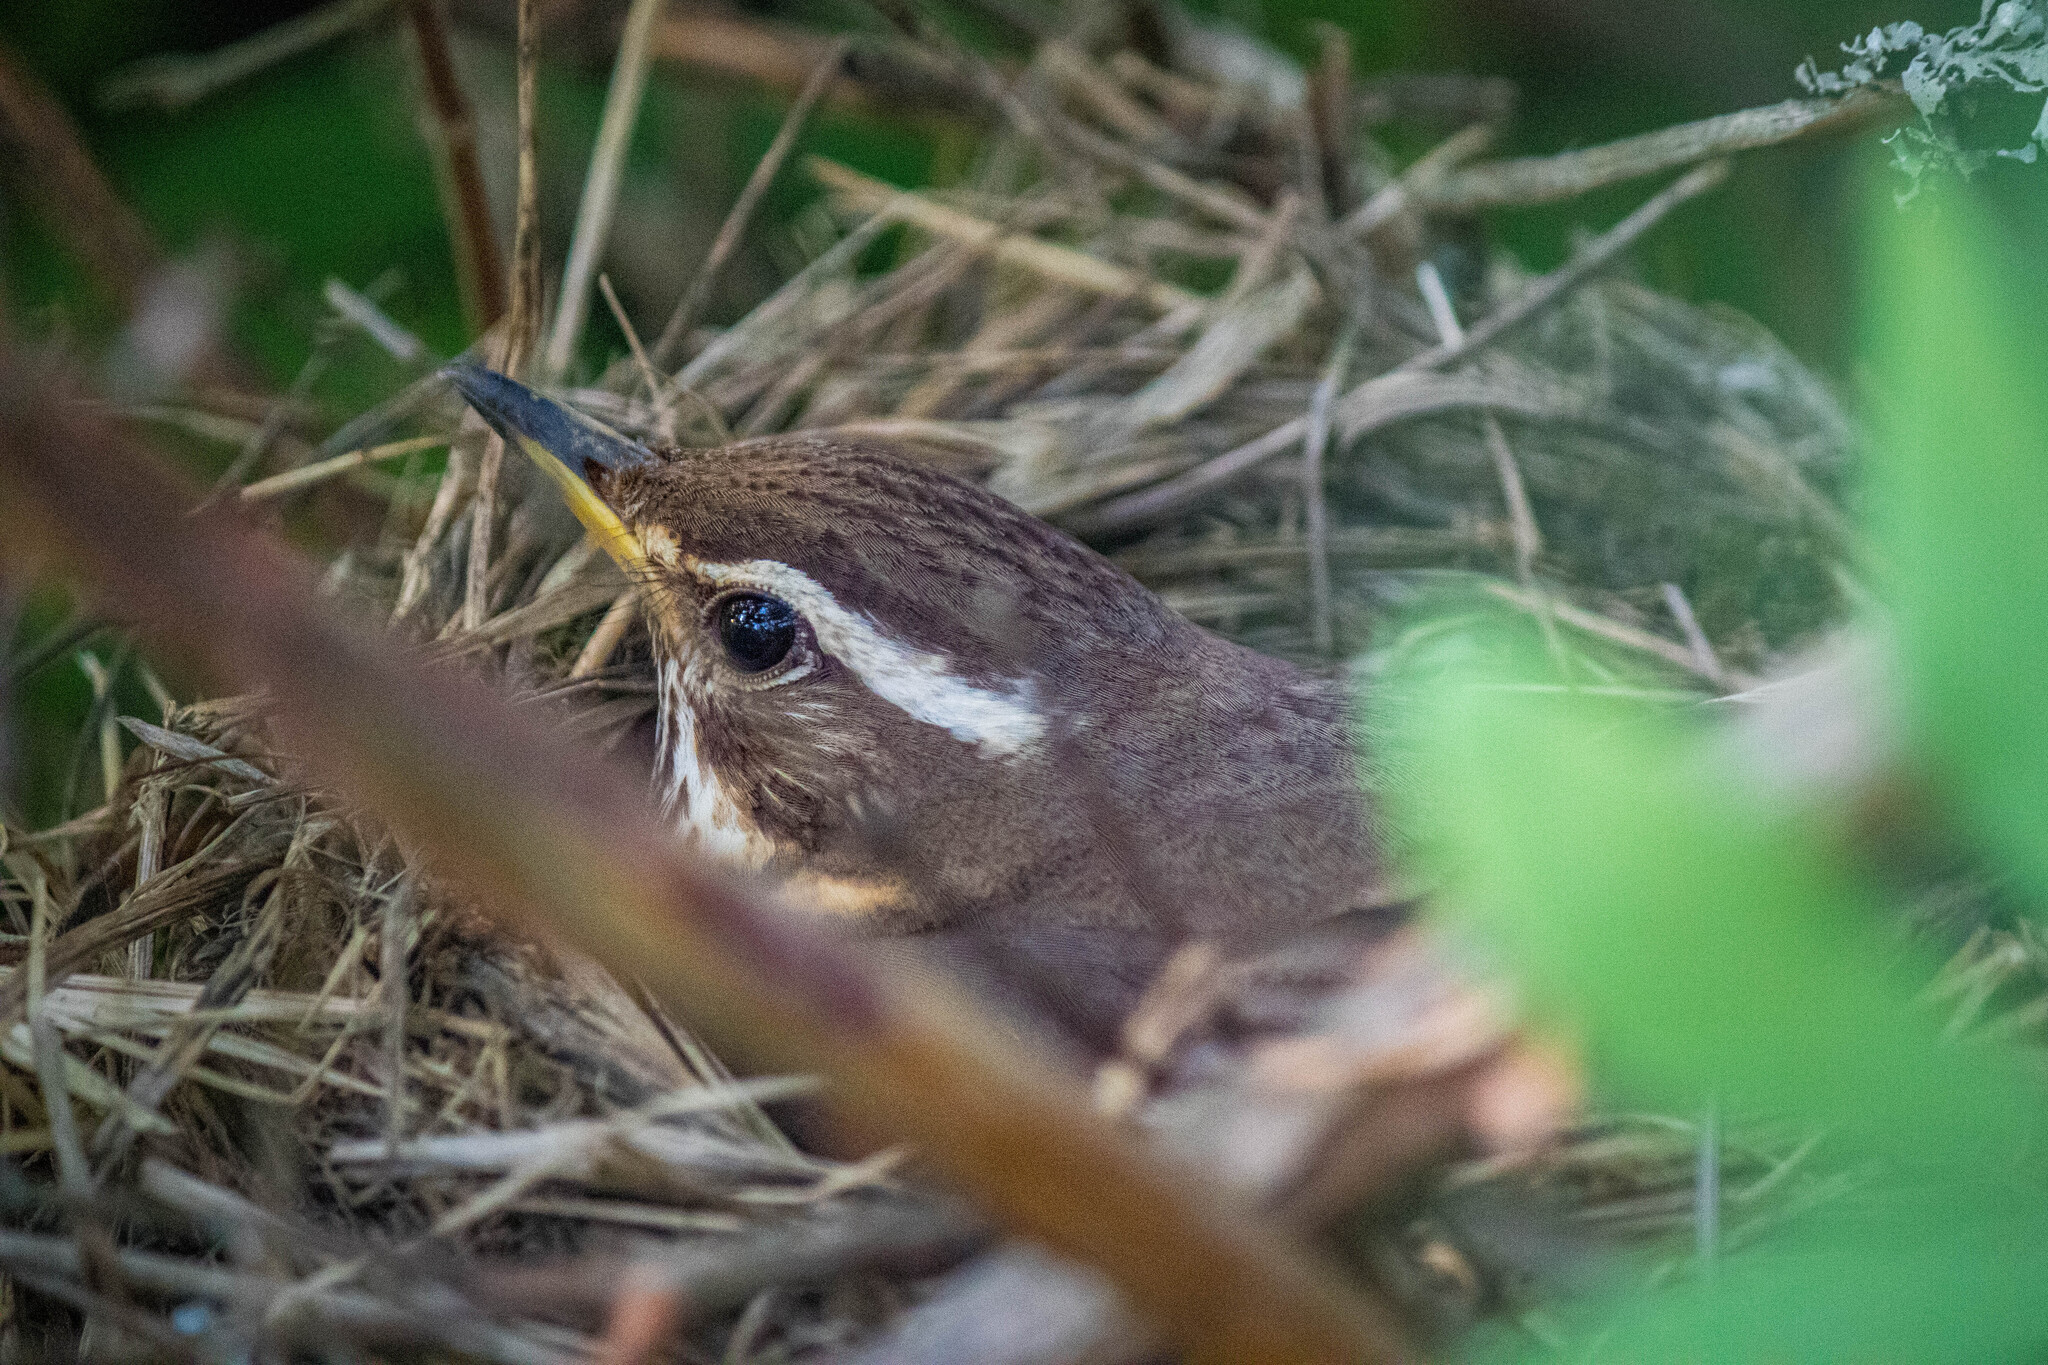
[{"x": 59, "y": 175}]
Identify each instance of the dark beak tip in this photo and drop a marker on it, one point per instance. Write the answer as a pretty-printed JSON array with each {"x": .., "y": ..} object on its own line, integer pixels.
[
  {"x": 510, "y": 407},
  {"x": 480, "y": 385}
]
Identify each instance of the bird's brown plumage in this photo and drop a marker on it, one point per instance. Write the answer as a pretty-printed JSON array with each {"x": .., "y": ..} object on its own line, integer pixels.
[{"x": 1181, "y": 783}]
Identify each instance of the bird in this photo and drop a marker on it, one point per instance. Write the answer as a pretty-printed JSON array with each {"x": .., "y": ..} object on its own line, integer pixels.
[{"x": 948, "y": 725}]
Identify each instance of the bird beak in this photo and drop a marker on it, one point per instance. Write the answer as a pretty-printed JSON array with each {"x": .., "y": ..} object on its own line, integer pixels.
[{"x": 567, "y": 446}]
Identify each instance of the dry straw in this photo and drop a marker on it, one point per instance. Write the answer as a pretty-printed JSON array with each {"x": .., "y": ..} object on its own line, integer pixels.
[{"x": 1170, "y": 313}]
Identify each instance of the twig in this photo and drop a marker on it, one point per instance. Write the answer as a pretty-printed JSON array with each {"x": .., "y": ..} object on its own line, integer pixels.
[
  {"x": 1071, "y": 69},
  {"x": 276, "y": 417},
  {"x": 888, "y": 73},
  {"x": 277, "y": 485},
  {"x": 53, "y": 646},
  {"x": 1151, "y": 505},
  {"x": 1395, "y": 396},
  {"x": 168, "y": 895},
  {"x": 1185, "y": 99},
  {"x": 564, "y": 847},
  {"x": 1588, "y": 261},
  {"x": 1521, "y": 516},
  {"x": 1772, "y": 464},
  {"x": 600, "y": 188},
  {"x": 133, "y": 1328},
  {"x": 1702, "y": 648},
  {"x": 1706, "y": 1192},
  {"x": 556, "y": 608},
  {"x": 746, "y": 1333},
  {"x": 176, "y": 81},
  {"x": 1060, "y": 264},
  {"x": 1541, "y": 179},
  {"x": 54, "y": 1071},
  {"x": 836, "y": 258},
  {"x": 691, "y": 305},
  {"x": 401, "y": 345},
  {"x": 780, "y": 56},
  {"x": 618, "y": 619},
  {"x": 526, "y": 299},
  {"x": 1330, "y": 112},
  {"x": 102, "y": 681},
  {"x": 1592, "y": 623},
  {"x": 73, "y": 1171},
  {"x": 1528, "y": 539},
  {"x": 1393, "y": 546},
  {"x": 1315, "y": 504},
  {"x": 522, "y": 330},
  {"x": 394, "y": 994},
  {"x": 648, "y": 377},
  {"x": 149, "y": 814},
  {"x": 412, "y": 581},
  {"x": 1428, "y": 168},
  {"x": 1218, "y": 203},
  {"x": 88, "y": 217},
  {"x": 187, "y": 1040},
  {"x": 483, "y": 518},
  {"x": 480, "y": 269}
]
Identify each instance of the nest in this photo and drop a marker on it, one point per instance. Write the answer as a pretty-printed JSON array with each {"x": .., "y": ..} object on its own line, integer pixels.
[{"x": 285, "y": 1092}]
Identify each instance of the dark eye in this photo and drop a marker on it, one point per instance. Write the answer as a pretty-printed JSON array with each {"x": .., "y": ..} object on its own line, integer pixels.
[{"x": 756, "y": 629}]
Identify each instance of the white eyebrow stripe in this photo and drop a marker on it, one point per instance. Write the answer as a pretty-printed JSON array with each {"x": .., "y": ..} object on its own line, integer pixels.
[{"x": 998, "y": 721}]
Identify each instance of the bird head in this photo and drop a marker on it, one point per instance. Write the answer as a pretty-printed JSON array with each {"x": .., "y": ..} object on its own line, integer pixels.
[{"x": 925, "y": 705}]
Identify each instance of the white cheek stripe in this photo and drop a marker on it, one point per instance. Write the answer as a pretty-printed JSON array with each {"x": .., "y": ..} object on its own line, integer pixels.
[
  {"x": 691, "y": 793},
  {"x": 1001, "y": 722}
]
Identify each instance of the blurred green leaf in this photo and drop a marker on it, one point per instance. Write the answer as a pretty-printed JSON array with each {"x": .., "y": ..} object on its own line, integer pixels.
[
  {"x": 1959, "y": 499},
  {"x": 1704, "y": 941},
  {"x": 1706, "y": 945}
]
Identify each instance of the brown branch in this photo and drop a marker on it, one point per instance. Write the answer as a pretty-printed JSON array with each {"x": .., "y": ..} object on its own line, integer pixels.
[
  {"x": 539, "y": 832},
  {"x": 1542, "y": 179},
  {"x": 84, "y": 213},
  {"x": 1330, "y": 111},
  {"x": 479, "y": 268}
]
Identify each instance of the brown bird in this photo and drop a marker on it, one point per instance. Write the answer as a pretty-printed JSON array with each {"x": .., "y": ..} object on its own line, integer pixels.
[{"x": 939, "y": 717}]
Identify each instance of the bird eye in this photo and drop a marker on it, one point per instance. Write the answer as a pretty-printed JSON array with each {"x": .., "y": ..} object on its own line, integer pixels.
[{"x": 757, "y": 630}]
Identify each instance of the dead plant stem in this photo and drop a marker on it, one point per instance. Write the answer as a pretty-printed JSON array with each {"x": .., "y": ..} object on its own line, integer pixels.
[
  {"x": 691, "y": 306},
  {"x": 480, "y": 268},
  {"x": 600, "y": 188}
]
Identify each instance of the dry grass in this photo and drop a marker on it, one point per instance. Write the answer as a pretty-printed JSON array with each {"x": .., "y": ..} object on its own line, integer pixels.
[{"x": 317, "y": 1101}]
